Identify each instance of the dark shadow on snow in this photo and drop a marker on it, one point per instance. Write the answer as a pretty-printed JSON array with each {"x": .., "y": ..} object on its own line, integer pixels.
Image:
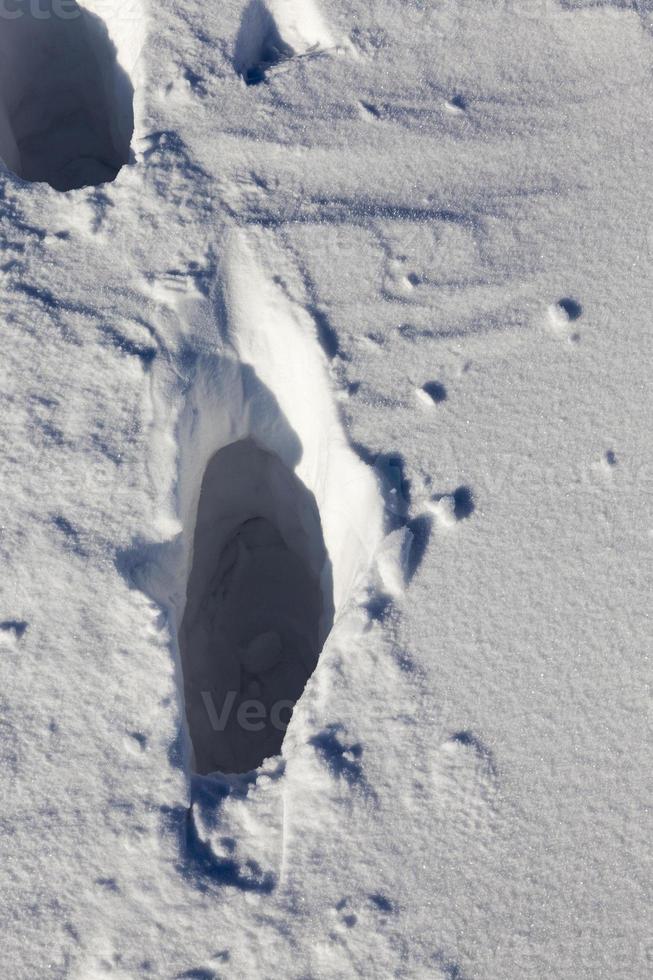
[
  {"x": 259, "y": 597},
  {"x": 66, "y": 105},
  {"x": 259, "y": 45},
  {"x": 341, "y": 760}
]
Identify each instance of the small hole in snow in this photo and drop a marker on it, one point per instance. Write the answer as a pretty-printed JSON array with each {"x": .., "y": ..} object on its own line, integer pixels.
[
  {"x": 382, "y": 903},
  {"x": 572, "y": 308},
  {"x": 435, "y": 391},
  {"x": 16, "y": 626},
  {"x": 459, "y": 102},
  {"x": 463, "y": 501},
  {"x": 259, "y": 607}
]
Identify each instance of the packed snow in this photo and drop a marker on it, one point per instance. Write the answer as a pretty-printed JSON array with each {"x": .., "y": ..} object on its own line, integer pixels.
[{"x": 326, "y": 521}]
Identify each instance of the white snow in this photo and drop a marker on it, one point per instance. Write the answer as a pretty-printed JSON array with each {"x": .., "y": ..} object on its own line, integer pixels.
[{"x": 326, "y": 519}]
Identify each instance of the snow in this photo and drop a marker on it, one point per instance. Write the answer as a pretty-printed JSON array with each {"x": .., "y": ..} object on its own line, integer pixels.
[
  {"x": 342, "y": 352},
  {"x": 262, "y": 609},
  {"x": 66, "y": 115}
]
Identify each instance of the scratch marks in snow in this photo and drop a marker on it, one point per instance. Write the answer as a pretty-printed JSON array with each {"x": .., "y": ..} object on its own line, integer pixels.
[
  {"x": 132, "y": 339},
  {"x": 181, "y": 183},
  {"x": 70, "y": 536}
]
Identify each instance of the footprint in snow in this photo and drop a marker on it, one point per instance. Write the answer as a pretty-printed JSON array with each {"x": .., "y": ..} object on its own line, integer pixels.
[
  {"x": 274, "y": 31},
  {"x": 257, "y": 612},
  {"x": 66, "y": 101},
  {"x": 375, "y": 908}
]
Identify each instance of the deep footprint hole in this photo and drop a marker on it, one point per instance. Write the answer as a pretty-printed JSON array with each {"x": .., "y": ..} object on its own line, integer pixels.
[
  {"x": 259, "y": 45},
  {"x": 66, "y": 105},
  {"x": 259, "y": 608}
]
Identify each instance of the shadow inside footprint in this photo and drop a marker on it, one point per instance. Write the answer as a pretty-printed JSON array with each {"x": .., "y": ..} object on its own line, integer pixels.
[
  {"x": 259, "y": 45},
  {"x": 259, "y": 607},
  {"x": 66, "y": 105}
]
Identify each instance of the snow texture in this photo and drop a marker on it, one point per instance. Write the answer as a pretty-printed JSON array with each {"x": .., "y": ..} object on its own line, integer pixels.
[{"x": 326, "y": 518}]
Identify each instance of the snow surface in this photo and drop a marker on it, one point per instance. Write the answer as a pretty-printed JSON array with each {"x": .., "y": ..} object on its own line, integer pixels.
[{"x": 397, "y": 256}]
